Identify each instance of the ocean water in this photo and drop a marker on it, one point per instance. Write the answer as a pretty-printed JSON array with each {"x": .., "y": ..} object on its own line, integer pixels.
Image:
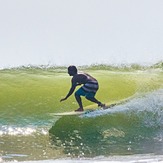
[{"x": 129, "y": 132}]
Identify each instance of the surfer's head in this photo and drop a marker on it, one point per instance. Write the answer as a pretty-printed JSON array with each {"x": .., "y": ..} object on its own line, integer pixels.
[{"x": 72, "y": 70}]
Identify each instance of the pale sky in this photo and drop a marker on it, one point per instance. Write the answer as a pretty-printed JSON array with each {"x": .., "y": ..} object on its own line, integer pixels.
[{"x": 80, "y": 32}]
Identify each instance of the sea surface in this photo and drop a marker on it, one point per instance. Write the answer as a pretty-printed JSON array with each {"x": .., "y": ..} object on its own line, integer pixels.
[{"x": 129, "y": 132}]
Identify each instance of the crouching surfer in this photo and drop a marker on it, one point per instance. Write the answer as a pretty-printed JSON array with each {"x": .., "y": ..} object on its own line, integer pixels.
[{"x": 88, "y": 89}]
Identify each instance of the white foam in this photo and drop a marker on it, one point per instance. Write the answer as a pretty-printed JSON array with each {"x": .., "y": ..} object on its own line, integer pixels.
[{"x": 149, "y": 102}]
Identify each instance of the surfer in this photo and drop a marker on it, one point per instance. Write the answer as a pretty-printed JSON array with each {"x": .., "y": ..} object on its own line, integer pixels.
[{"x": 89, "y": 88}]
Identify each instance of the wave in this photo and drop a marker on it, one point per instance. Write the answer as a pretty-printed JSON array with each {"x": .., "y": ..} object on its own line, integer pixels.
[
  {"x": 130, "y": 128},
  {"x": 29, "y": 94}
]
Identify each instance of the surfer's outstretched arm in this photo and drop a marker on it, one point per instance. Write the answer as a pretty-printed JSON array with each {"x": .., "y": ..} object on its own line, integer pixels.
[{"x": 69, "y": 93}]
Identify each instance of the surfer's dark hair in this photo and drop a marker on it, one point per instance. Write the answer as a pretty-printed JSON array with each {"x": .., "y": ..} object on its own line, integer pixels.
[{"x": 72, "y": 68}]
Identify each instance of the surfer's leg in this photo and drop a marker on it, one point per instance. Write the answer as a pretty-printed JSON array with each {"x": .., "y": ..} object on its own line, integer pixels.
[
  {"x": 90, "y": 97},
  {"x": 79, "y": 93},
  {"x": 79, "y": 101},
  {"x": 93, "y": 99}
]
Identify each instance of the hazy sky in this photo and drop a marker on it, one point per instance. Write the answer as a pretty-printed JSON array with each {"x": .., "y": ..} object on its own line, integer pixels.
[{"x": 80, "y": 32}]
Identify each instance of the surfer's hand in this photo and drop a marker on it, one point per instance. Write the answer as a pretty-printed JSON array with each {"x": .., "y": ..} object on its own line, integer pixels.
[{"x": 63, "y": 99}]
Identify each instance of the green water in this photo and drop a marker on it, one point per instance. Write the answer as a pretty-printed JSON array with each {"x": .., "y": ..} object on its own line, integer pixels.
[
  {"x": 28, "y": 132},
  {"x": 38, "y": 89}
]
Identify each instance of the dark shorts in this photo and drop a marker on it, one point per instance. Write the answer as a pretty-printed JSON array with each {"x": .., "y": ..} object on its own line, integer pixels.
[{"x": 82, "y": 92}]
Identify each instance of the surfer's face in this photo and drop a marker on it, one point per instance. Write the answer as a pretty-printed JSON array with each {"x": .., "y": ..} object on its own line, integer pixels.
[
  {"x": 71, "y": 73},
  {"x": 72, "y": 70}
]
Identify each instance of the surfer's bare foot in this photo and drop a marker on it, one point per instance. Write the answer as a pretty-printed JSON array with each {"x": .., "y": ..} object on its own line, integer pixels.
[
  {"x": 101, "y": 105},
  {"x": 80, "y": 109}
]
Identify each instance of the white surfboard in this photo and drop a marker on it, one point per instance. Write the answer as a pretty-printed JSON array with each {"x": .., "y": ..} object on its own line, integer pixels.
[
  {"x": 81, "y": 112},
  {"x": 72, "y": 113}
]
